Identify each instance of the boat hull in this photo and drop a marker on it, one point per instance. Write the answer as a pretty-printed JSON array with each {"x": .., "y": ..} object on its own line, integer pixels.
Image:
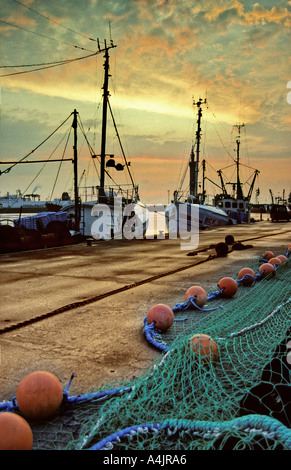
[
  {"x": 110, "y": 221},
  {"x": 195, "y": 216}
]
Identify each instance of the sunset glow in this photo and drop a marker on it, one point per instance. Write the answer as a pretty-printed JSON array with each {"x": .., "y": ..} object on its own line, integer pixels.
[{"x": 168, "y": 53}]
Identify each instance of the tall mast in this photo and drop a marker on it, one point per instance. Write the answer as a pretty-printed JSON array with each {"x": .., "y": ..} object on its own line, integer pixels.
[
  {"x": 239, "y": 192},
  {"x": 104, "y": 119},
  {"x": 194, "y": 165},
  {"x": 75, "y": 161}
]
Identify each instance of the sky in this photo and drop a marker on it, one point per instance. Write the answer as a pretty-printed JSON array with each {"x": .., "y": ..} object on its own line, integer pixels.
[{"x": 168, "y": 54}]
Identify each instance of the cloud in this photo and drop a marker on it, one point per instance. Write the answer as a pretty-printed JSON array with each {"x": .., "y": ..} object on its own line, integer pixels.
[{"x": 233, "y": 53}]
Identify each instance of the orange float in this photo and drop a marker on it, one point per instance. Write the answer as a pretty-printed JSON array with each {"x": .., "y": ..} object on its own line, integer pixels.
[
  {"x": 204, "y": 347},
  {"x": 39, "y": 395},
  {"x": 162, "y": 315},
  {"x": 15, "y": 432},
  {"x": 282, "y": 258},
  {"x": 266, "y": 269},
  {"x": 228, "y": 286},
  {"x": 199, "y": 293},
  {"x": 248, "y": 274},
  {"x": 275, "y": 260},
  {"x": 268, "y": 255}
]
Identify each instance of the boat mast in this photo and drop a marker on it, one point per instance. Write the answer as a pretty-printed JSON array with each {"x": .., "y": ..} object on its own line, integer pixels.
[
  {"x": 104, "y": 119},
  {"x": 104, "y": 114},
  {"x": 75, "y": 161},
  {"x": 194, "y": 164},
  {"x": 239, "y": 192}
]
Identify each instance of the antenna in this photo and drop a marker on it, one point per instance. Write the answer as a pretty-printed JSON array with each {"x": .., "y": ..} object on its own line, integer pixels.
[{"x": 110, "y": 32}]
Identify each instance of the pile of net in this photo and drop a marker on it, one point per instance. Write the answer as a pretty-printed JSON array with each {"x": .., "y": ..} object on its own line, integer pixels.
[{"x": 241, "y": 400}]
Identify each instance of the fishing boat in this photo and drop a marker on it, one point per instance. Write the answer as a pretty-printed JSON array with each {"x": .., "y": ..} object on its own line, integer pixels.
[
  {"x": 236, "y": 205},
  {"x": 209, "y": 216},
  {"x": 226, "y": 209},
  {"x": 29, "y": 203},
  {"x": 126, "y": 216}
]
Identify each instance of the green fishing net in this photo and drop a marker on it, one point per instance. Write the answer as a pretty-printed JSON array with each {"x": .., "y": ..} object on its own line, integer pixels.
[{"x": 182, "y": 402}]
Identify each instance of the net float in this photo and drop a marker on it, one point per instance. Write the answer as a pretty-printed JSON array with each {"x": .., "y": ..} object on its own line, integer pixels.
[
  {"x": 268, "y": 255},
  {"x": 246, "y": 276},
  {"x": 266, "y": 269},
  {"x": 39, "y": 395},
  {"x": 228, "y": 286},
  {"x": 199, "y": 293},
  {"x": 15, "y": 432},
  {"x": 204, "y": 347},
  {"x": 162, "y": 315}
]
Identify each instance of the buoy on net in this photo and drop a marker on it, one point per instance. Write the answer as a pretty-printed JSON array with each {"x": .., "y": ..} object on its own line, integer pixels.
[
  {"x": 39, "y": 395},
  {"x": 275, "y": 260},
  {"x": 228, "y": 286},
  {"x": 15, "y": 432},
  {"x": 162, "y": 315},
  {"x": 229, "y": 239},
  {"x": 266, "y": 268},
  {"x": 221, "y": 249},
  {"x": 282, "y": 258},
  {"x": 268, "y": 255},
  {"x": 247, "y": 276},
  {"x": 199, "y": 293},
  {"x": 204, "y": 348}
]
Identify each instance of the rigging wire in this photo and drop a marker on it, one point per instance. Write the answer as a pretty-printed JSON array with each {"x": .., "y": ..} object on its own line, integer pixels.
[
  {"x": 185, "y": 162},
  {"x": 39, "y": 145},
  {"x": 93, "y": 153},
  {"x": 47, "y": 37},
  {"x": 220, "y": 137},
  {"x": 56, "y": 64},
  {"x": 61, "y": 162},
  {"x": 42, "y": 168},
  {"x": 47, "y": 17},
  {"x": 126, "y": 163}
]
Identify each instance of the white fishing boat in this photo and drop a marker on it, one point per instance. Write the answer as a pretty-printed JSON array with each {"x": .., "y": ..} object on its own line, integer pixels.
[
  {"x": 209, "y": 216},
  {"x": 127, "y": 216},
  {"x": 236, "y": 205},
  {"x": 29, "y": 203},
  {"x": 226, "y": 209},
  {"x": 83, "y": 213}
]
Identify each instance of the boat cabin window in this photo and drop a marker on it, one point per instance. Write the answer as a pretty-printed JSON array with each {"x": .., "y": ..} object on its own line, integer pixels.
[
  {"x": 234, "y": 205},
  {"x": 241, "y": 205},
  {"x": 227, "y": 204}
]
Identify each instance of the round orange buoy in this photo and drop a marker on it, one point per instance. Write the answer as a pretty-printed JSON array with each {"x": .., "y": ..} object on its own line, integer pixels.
[
  {"x": 248, "y": 274},
  {"x": 15, "y": 432},
  {"x": 199, "y": 293},
  {"x": 282, "y": 258},
  {"x": 268, "y": 255},
  {"x": 204, "y": 347},
  {"x": 228, "y": 286},
  {"x": 162, "y": 315},
  {"x": 275, "y": 260},
  {"x": 266, "y": 269},
  {"x": 39, "y": 395}
]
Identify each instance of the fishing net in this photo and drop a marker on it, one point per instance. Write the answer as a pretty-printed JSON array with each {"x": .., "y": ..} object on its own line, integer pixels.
[{"x": 240, "y": 400}]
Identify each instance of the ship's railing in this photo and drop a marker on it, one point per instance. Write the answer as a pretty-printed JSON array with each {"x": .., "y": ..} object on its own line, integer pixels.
[{"x": 91, "y": 193}]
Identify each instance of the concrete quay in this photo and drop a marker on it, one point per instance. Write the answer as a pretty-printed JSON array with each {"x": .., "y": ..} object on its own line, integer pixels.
[{"x": 101, "y": 340}]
